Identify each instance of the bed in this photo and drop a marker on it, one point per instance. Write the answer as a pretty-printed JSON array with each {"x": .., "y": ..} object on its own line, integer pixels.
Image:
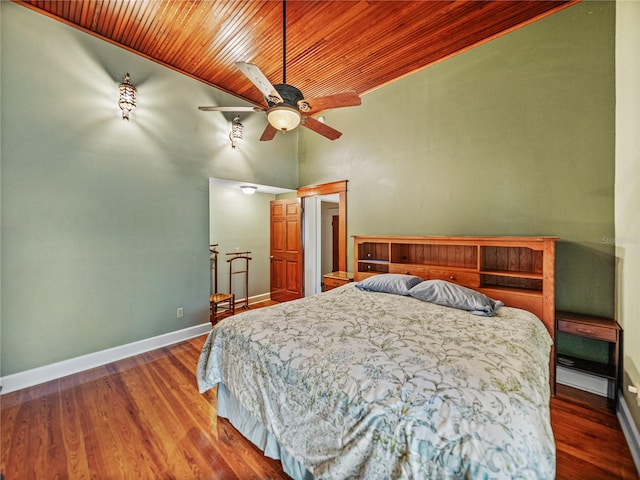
[{"x": 353, "y": 383}]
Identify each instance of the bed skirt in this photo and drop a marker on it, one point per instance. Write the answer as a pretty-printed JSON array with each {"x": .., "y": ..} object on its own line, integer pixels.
[{"x": 231, "y": 409}]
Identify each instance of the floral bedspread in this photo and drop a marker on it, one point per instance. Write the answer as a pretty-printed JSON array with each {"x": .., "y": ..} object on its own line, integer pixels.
[{"x": 369, "y": 385}]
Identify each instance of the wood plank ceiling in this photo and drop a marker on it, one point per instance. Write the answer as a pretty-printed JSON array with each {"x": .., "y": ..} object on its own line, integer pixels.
[{"x": 332, "y": 46}]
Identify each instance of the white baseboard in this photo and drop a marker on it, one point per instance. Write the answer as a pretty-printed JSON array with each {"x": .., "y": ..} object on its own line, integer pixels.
[
  {"x": 35, "y": 376},
  {"x": 263, "y": 297},
  {"x": 582, "y": 381},
  {"x": 259, "y": 298},
  {"x": 629, "y": 429}
]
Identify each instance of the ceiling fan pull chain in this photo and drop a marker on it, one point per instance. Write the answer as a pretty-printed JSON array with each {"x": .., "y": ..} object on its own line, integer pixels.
[{"x": 284, "y": 41}]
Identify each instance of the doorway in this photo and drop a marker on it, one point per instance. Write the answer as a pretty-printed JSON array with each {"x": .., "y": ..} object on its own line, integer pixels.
[
  {"x": 228, "y": 209},
  {"x": 321, "y": 239},
  {"x": 239, "y": 222},
  {"x": 312, "y": 197}
]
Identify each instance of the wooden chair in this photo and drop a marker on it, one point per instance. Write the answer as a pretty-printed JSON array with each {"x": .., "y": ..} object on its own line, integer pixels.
[{"x": 217, "y": 298}]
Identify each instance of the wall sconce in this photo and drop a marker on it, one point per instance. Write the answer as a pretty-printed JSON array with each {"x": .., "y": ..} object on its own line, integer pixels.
[
  {"x": 236, "y": 131},
  {"x": 127, "y": 100},
  {"x": 248, "y": 189}
]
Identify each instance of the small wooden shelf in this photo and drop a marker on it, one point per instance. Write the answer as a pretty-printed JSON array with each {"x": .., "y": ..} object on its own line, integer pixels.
[
  {"x": 514, "y": 274},
  {"x": 497, "y": 289},
  {"x": 605, "y": 370}
]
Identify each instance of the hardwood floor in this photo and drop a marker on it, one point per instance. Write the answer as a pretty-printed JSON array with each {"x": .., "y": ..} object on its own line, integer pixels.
[
  {"x": 139, "y": 418},
  {"x": 589, "y": 443},
  {"x": 143, "y": 418}
]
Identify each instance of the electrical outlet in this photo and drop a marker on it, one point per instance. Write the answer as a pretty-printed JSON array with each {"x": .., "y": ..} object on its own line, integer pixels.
[
  {"x": 180, "y": 312},
  {"x": 635, "y": 389}
]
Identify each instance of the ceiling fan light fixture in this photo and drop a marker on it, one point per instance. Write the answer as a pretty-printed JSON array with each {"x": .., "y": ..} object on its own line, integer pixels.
[{"x": 284, "y": 117}]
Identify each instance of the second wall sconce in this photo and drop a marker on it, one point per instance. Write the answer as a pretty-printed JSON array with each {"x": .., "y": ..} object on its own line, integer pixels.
[
  {"x": 127, "y": 100},
  {"x": 236, "y": 131}
]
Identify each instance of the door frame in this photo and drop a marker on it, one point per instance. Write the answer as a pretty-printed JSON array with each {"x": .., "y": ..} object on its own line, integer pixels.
[
  {"x": 339, "y": 187},
  {"x": 312, "y": 241}
]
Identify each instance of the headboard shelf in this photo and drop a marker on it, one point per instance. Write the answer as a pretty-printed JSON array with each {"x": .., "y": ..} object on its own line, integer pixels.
[
  {"x": 513, "y": 273},
  {"x": 516, "y": 270}
]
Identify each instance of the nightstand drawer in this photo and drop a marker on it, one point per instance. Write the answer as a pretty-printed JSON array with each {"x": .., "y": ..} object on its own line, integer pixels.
[
  {"x": 585, "y": 330},
  {"x": 334, "y": 282},
  {"x": 336, "y": 279}
]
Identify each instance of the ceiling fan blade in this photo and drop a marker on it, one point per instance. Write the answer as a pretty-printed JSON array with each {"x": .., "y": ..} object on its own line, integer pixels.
[
  {"x": 269, "y": 133},
  {"x": 314, "y": 105},
  {"x": 321, "y": 128},
  {"x": 231, "y": 109},
  {"x": 256, "y": 76}
]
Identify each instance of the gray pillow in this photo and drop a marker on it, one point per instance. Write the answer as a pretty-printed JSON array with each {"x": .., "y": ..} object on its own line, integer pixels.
[
  {"x": 395, "y": 283},
  {"x": 452, "y": 295}
]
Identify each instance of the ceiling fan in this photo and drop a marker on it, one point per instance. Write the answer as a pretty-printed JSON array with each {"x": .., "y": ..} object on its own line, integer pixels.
[{"x": 286, "y": 106}]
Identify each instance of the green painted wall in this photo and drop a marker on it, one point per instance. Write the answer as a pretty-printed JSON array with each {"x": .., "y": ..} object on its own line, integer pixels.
[
  {"x": 514, "y": 137},
  {"x": 105, "y": 224}
]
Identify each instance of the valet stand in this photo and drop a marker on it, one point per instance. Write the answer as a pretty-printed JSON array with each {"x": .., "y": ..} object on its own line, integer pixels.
[
  {"x": 216, "y": 298},
  {"x": 238, "y": 257}
]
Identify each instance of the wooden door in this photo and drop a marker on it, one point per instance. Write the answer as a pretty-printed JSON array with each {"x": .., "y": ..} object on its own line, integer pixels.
[{"x": 286, "y": 250}]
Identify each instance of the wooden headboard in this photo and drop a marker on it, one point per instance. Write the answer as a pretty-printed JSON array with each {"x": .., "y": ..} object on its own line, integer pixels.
[{"x": 516, "y": 270}]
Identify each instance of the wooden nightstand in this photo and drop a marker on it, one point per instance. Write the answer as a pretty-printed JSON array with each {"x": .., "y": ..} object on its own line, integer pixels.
[
  {"x": 336, "y": 279},
  {"x": 601, "y": 329}
]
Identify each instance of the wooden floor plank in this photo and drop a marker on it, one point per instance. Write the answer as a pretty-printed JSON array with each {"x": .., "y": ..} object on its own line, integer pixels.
[
  {"x": 143, "y": 417},
  {"x": 589, "y": 443}
]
